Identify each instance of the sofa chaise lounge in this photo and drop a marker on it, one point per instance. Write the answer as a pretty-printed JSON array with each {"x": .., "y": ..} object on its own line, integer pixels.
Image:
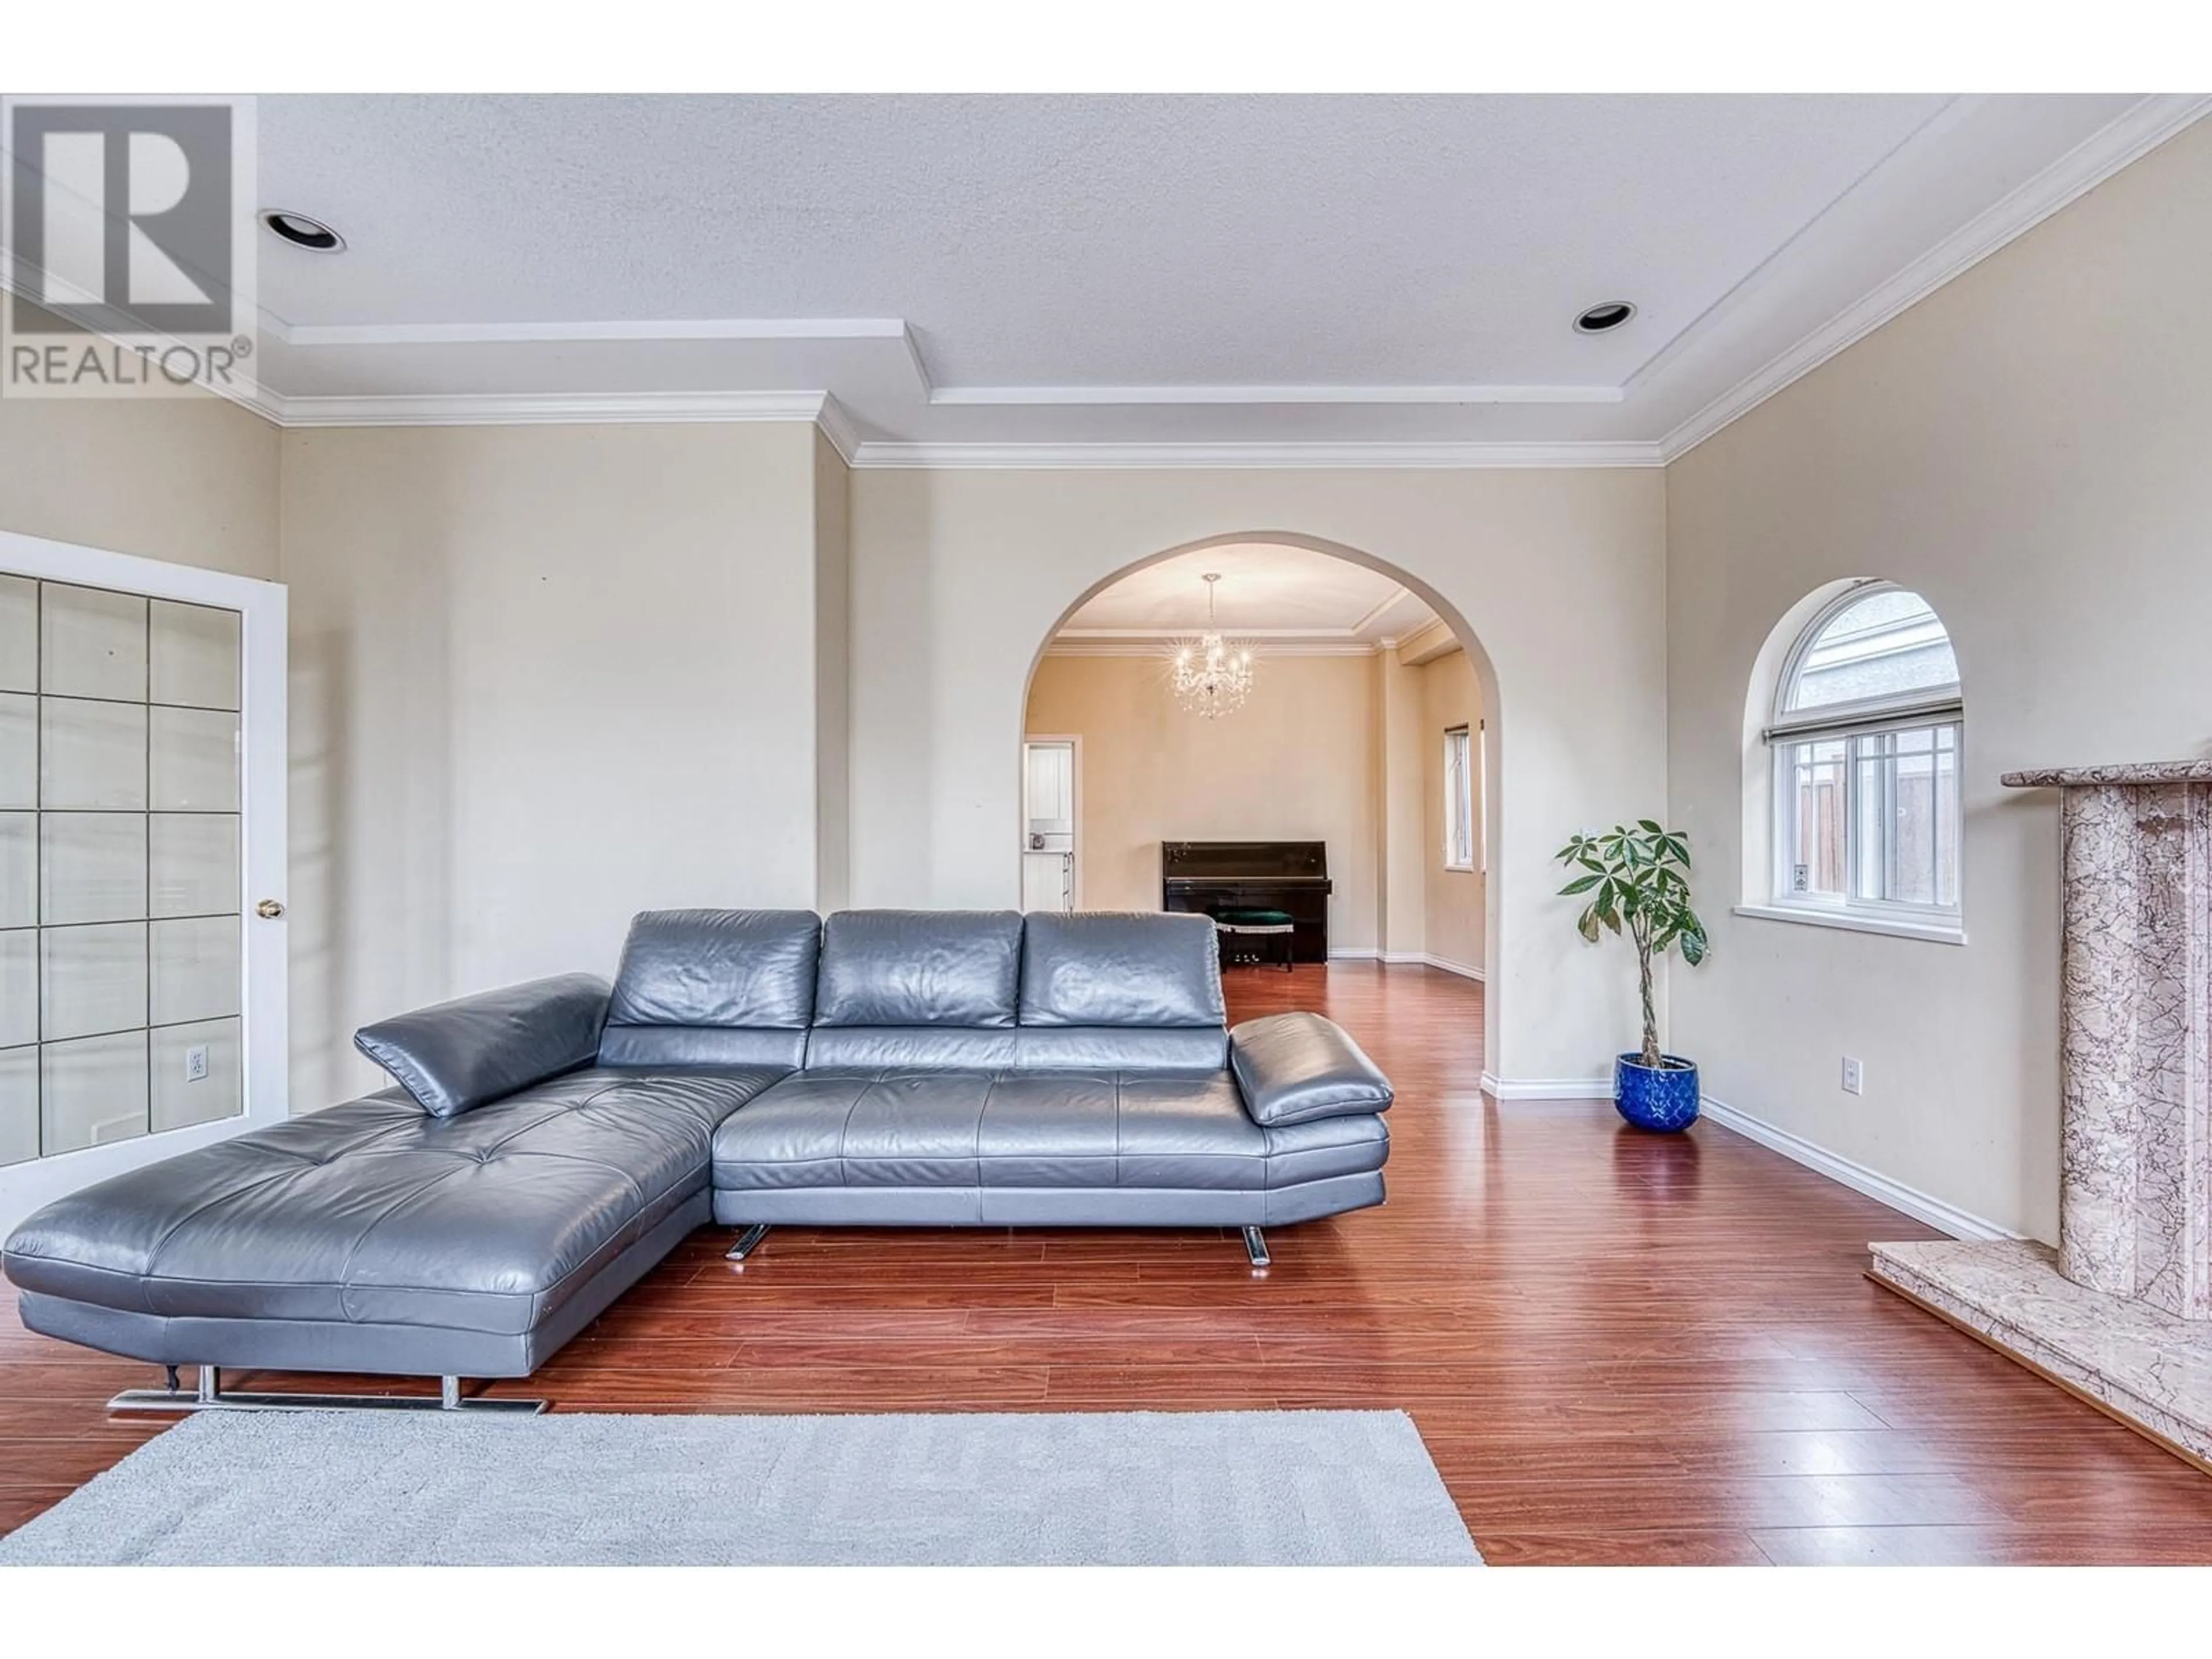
[{"x": 549, "y": 1142}]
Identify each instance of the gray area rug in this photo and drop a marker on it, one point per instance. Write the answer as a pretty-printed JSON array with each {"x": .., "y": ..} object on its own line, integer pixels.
[{"x": 1195, "y": 1488}]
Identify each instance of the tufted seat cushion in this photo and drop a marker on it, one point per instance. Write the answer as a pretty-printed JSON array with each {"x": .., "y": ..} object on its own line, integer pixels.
[{"x": 375, "y": 1212}]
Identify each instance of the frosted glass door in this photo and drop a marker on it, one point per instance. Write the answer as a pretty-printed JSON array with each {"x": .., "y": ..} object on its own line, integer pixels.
[{"x": 123, "y": 832}]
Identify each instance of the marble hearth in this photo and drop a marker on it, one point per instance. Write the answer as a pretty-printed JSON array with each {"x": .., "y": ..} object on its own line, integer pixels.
[{"x": 2121, "y": 1312}]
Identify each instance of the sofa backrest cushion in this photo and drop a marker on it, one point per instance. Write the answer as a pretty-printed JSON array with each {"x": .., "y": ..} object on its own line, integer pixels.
[
  {"x": 1097, "y": 1048},
  {"x": 468, "y": 1053},
  {"x": 893, "y": 968},
  {"x": 714, "y": 987},
  {"x": 1112, "y": 968}
]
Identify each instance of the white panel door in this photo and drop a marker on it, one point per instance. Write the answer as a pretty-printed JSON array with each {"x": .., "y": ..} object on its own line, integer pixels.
[{"x": 142, "y": 863}]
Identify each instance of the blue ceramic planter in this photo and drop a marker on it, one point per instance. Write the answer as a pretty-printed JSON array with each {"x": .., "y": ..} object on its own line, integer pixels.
[{"x": 1665, "y": 1099}]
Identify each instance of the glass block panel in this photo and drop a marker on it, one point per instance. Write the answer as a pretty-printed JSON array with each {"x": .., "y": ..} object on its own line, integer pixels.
[
  {"x": 19, "y": 750},
  {"x": 91, "y": 755},
  {"x": 195, "y": 761},
  {"x": 196, "y": 970},
  {"x": 92, "y": 643},
  {"x": 19, "y": 870},
  {"x": 93, "y": 980},
  {"x": 193, "y": 863},
  {"x": 199, "y": 1073},
  {"x": 19, "y": 634},
  {"x": 194, "y": 654},
  {"x": 92, "y": 1092},
  {"x": 19, "y": 987},
  {"x": 19, "y": 1105},
  {"x": 93, "y": 867}
]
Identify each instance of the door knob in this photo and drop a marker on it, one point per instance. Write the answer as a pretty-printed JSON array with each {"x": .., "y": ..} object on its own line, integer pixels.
[{"x": 268, "y": 910}]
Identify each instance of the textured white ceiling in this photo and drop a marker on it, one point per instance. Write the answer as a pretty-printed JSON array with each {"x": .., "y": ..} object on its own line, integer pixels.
[
  {"x": 1117, "y": 241},
  {"x": 1264, "y": 588},
  {"x": 994, "y": 271}
]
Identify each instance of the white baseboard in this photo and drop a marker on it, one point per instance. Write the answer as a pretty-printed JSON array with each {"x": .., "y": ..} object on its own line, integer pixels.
[
  {"x": 1908, "y": 1201},
  {"x": 1465, "y": 970},
  {"x": 1411, "y": 959},
  {"x": 1547, "y": 1088}
]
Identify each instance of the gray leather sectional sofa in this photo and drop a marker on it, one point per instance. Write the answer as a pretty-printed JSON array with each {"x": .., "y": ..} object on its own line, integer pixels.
[{"x": 549, "y": 1142}]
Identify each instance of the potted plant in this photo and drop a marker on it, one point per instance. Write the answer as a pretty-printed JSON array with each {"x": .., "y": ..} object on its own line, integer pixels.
[{"x": 1638, "y": 884}]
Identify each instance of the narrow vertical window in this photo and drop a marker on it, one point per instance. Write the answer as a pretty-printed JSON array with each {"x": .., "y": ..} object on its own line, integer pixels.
[{"x": 1459, "y": 800}]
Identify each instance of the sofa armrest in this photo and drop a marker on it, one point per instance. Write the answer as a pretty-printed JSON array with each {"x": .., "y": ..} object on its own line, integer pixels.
[
  {"x": 1292, "y": 1068},
  {"x": 465, "y": 1054}
]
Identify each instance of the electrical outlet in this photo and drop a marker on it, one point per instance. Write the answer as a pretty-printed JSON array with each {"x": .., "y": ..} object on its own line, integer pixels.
[
  {"x": 196, "y": 1063},
  {"x": 1854, "y": 1076}
]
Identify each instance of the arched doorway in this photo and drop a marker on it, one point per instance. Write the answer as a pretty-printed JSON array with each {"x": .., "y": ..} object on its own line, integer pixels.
[{"x": 1373, "y": 727}]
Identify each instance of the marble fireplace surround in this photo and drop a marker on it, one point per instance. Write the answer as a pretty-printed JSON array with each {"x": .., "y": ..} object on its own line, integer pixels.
[{"x": 2121, "y": 1312}]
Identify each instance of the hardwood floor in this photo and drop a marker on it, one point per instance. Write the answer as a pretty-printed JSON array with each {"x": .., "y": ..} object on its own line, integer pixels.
[{"x": 1619, "y": 1347}]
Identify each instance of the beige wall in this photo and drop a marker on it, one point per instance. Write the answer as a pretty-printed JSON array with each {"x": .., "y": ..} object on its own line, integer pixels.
[
  {"x": 1400, "y": 777},
  {"x": 1452, "y": 900},
  {"x": 2027, "y": 448},
  {"x": 544, "y": 677},
  {"x": 1295, "y": 763},
  {"x": 192, "y": 480},
  {"x": 960, "y": 576},
  {"x": 833, "y": 709}
]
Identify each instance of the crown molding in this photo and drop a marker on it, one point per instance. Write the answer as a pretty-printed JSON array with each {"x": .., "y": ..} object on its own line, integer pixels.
[
  {"x": 1086, "y": 396},
  {"x": 1432, "y": 640},
  {"x": 1160, "y": 646},
  {"x": 838, "y": 427},
  {"x": 2149, "y": 124},
  {"x": 558, "y": 409},
  {"x": 1230, "y": 456}
]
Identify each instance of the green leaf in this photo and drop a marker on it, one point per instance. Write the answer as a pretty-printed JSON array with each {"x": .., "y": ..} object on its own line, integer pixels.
[
  {"x": 1648, "y": 827},
  {"x": 1581, "y": 884},
  {"x": 1588, "y": 925},
  {"x": 1693, "y": 948}
]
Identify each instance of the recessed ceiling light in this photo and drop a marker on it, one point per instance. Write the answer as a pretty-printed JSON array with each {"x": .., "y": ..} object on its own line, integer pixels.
[
  {"x": 1603, "y": 320},
  {"x": 300, "y": 231}
]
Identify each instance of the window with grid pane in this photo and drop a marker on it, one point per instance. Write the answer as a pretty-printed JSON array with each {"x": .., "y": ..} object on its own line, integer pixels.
[{"x": 1866, "y": 736}]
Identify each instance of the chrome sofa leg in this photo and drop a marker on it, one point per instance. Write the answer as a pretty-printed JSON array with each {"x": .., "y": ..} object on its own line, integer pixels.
[
  {"x": 748, "y": 1240},
  {"x": 1256, "y": 1245},
  {"x": 210, "y": 1397}
]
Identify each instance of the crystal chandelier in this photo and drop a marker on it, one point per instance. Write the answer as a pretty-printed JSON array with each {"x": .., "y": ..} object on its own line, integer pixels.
[{"x": 1211, "y": 677}]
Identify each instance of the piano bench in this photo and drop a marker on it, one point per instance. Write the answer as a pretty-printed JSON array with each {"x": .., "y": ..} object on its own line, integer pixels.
[{"x": 1273, "y": 926}]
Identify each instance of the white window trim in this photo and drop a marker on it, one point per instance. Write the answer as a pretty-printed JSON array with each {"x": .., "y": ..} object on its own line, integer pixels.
[
  {"x": 1860, "y": 920},
  {"x": 1465, "y": 807},
  {"x": 1479, "y": 807},
  {"x": 1867, "y": 717}
]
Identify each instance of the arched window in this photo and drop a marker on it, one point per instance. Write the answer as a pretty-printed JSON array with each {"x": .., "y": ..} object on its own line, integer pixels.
[{"x": 1866, "y": 735}]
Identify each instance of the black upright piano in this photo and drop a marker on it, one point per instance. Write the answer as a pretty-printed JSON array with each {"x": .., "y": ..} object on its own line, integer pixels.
[{"x": 1209, "y": 877}]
